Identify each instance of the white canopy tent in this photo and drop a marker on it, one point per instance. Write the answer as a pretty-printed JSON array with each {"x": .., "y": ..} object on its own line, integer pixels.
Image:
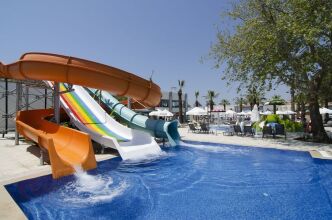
[
  {"x": 325, "y": 111},
  {"x": 230, "y": 112},
  {"x": 161, "y": 113},
  {"x": 242, "y": 113},
  {"x": 197, "y": 111},
  {"x": 167, "y": 113},
  {"x": 289, "y": 112},
  {"x": 266, "y": 113},
  {"x": 154, "y": 113}
]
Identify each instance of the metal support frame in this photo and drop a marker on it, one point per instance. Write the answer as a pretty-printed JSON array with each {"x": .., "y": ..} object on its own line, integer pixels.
[
  {"x": 57, "y": 102},
  {"x": 26, "y": 96},
  {"x": 41, "y": 158},
  {"x": 129, "y": 102},
  {"x": 18, "y": 108},
  {"x": 45, "y": 98},
  {"x": 6, "y": 108}
]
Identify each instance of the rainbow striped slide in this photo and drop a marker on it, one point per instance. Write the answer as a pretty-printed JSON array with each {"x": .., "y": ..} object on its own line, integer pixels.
[{"x": 88, "y": 116}]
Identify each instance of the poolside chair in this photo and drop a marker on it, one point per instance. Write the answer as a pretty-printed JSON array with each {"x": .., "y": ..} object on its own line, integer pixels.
[
  {"x": 280, "y": 130},
  {"x": 247, "y": 130},
  {"x": 267, "y": 130},
  {"x": 193, "y": 128},
  {"x": 237, "y": 130},
  {"x": 205, "y": 128}
]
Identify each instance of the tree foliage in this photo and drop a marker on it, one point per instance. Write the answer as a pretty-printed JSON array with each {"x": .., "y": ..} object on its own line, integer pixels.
[
  {"x": 224, "y": 102},
  {"x": 196, "y": 98},
  {"x": 280, "y": 41},
  {"x": 211, "y": 95}
]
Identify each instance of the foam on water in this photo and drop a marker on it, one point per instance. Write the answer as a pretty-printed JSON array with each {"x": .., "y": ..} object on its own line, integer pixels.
[
  {"x": 148, "y": 158},
  {"x": 89, "y": 183},
  {"x": 95, "y": 189}
]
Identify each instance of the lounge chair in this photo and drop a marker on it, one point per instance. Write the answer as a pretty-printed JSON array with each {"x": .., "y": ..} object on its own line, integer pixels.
[
  {"x": 193, "y": 128},
  {"x": 247, "y": 130},
  {"x": 280, "y": 130},
  {"x": 237, "y": 130},
  {"x": 205, "y": 128},
  {"x": 267, "y": 130}
]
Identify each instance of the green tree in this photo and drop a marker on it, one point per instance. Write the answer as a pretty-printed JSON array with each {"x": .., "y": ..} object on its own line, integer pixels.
[
  {"x": 280, "y": 41},
  {"x": 211, "y": 95},
  {"x": 181, "y": 85},
  {"x": 196, "y": 98},
  {"x": 224, "y": 102}
]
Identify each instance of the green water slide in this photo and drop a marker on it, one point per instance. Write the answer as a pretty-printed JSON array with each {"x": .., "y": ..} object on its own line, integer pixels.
[{"x": 157, "y": 128}]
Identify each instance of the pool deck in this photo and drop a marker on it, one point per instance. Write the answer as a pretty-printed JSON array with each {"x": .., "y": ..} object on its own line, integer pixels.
[{"x": 22, "y": 162}]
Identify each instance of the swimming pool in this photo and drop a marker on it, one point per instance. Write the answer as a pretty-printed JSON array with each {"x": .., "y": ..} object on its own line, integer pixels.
[{"x": 191, "y": 181}]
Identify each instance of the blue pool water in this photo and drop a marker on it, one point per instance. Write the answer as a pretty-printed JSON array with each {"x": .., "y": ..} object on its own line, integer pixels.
[{"x": 192, "y": 181}]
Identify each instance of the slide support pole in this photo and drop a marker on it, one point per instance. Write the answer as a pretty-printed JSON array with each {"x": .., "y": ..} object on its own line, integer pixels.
[
  {"x": 18, "y": 108},
  {"x": 57, "y": 102}
]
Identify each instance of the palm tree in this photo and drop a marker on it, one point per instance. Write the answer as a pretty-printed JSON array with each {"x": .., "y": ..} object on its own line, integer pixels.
[
  {"x": 196, "y": 96},
  {"x": 181, "y": 85},
  {"x": 254, "y": 96},
  {"x": 240, "y": 101},
  {"x": 276, "y": 100},
  {"x": 211, "y": 95},
  {"x": 98, "y": 95},
  {"x": 224, "y": 102}
]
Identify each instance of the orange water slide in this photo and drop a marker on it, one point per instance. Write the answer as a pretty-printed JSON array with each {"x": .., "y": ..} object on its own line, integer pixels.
[
  {"x": 58, "y": 68},
  {"x": 66, "y": 147}
]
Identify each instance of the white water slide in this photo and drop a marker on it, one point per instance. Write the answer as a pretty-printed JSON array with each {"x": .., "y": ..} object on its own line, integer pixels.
[{"x": 89, "y": 117}]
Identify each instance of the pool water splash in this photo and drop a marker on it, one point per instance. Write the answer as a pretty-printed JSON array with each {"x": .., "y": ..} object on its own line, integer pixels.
[
  {"x": 87, "y": 188},
  {"x": 89, "y": 183}
]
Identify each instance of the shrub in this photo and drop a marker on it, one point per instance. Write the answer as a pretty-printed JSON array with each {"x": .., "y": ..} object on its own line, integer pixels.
[{"x": 273, "y": 119}]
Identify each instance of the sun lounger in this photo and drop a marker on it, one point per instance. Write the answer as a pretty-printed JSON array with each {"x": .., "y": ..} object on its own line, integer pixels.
[
  {"x": 280, "y": 130},
  {"x": 193, "y": 128},
  {"x": 237, "y": 130},
  {"x": 277, "y": 129},
  {"x": 267, "y": 130},
  {"x": 205, "y": 128},
  {"x": 247, "y": 130}
]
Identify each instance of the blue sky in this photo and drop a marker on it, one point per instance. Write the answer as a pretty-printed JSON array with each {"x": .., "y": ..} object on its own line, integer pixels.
[{"x": 168, "y": 38}]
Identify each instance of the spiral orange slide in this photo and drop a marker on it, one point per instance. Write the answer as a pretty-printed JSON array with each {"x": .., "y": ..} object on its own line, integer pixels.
[{"x": 68, "y": 147}]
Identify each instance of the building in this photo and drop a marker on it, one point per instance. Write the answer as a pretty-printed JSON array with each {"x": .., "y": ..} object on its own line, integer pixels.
[{"x": 170, "y": 101}]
